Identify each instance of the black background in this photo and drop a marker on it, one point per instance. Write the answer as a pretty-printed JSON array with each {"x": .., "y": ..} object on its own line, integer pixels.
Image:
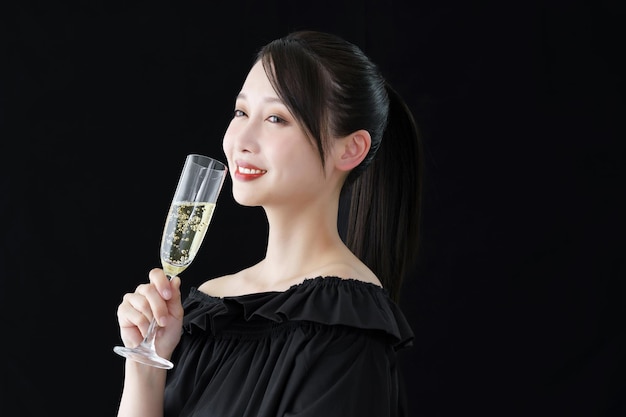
[{"x": 517, "y": 298}]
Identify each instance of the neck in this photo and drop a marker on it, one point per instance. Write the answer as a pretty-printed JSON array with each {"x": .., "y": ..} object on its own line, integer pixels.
[{"x": 300, "y": 241}]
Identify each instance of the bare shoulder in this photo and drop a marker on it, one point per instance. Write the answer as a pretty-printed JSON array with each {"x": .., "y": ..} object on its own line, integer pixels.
[
  {"x": 357, "y": 271},
  {"x": 238, "y": 283},
  {"x": 219, "y": 286},
  {"x": 257, "y": 279}
]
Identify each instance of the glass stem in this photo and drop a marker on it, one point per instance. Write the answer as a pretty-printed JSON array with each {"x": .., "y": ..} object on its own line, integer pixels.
[{"x": 151, "y": 335}]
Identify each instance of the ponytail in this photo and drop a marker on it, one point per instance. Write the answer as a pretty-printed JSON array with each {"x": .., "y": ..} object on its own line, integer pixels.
[{"x": 384, "y": 201}]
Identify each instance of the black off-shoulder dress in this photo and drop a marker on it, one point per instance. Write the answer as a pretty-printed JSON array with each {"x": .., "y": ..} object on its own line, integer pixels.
[{"x": 326, "y": 347}]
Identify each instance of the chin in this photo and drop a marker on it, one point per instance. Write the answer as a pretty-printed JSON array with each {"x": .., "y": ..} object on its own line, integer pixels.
[{"x": 245, "y": 199}]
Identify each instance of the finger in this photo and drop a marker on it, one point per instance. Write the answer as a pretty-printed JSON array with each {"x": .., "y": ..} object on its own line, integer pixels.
[
  {"x": 161, "y": 282},
  {"x": 148, "y": 300},
  {"x": 174, "y": 304},
  {"x": 137, "y": 304},
  {"x": 133, "y": 323}
]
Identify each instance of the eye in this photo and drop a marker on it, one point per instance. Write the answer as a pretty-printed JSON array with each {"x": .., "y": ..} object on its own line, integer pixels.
[
  {"x": 238, "y": 113},
  {"x": 276, "y": 119}
]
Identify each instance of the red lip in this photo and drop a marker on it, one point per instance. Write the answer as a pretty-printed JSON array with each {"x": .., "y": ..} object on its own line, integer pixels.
[{"x": 247, "y": 176}]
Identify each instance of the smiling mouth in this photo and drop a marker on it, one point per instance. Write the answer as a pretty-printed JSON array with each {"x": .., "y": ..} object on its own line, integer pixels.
[{"x": 250, "y": 171}]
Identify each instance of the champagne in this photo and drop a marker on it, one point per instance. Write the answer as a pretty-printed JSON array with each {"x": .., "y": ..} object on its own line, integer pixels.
[
  {"x": 187, "y": 221},
  {"x": 184, "y": 231}
]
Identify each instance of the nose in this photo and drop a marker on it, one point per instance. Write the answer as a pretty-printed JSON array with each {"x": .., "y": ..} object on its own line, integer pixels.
[{"x": 241, "y": 136}]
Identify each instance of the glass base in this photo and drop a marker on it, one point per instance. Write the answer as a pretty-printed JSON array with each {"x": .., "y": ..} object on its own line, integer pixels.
[{"x": 143, "y": 355}]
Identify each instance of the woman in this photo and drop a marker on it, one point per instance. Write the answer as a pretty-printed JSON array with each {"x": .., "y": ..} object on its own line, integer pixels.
[{"x": 313, "y": 328}]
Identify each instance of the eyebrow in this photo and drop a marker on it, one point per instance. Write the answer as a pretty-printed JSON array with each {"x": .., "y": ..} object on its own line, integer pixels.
[{"x": 265, "y": 99}]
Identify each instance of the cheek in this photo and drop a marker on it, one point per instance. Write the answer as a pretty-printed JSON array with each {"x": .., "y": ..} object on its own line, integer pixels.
[
  {"x": 227, "y": 141},
  {"x": 227, "y": 146},
  {"x": 302, "y": 162}
]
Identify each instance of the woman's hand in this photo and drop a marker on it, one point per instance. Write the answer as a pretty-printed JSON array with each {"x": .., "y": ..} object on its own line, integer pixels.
[{"x": 161, "y": 299}]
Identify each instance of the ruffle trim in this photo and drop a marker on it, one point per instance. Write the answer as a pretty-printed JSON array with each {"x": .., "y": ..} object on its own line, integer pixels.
[{"x": 324, "y": 300}]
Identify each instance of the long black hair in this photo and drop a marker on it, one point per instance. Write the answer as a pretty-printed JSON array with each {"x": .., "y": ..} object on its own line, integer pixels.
[{"x": 334, "y": 89}]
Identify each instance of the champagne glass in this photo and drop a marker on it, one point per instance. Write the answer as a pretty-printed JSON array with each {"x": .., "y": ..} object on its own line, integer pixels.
[{"x": 186, "y": 225}]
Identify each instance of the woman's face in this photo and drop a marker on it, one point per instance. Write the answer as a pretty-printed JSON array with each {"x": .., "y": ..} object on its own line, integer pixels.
[{"x": 270, "y": 159}]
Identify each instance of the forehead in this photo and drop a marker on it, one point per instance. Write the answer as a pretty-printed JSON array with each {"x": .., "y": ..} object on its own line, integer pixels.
[{"x": 257, "y": 82}]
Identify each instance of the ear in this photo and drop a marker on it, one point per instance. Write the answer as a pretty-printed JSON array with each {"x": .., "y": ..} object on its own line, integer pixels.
[{"x": 352, "y": 149}]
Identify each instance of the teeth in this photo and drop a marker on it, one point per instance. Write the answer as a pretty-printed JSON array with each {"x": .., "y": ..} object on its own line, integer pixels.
[{"x": 251, "y": 171}]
